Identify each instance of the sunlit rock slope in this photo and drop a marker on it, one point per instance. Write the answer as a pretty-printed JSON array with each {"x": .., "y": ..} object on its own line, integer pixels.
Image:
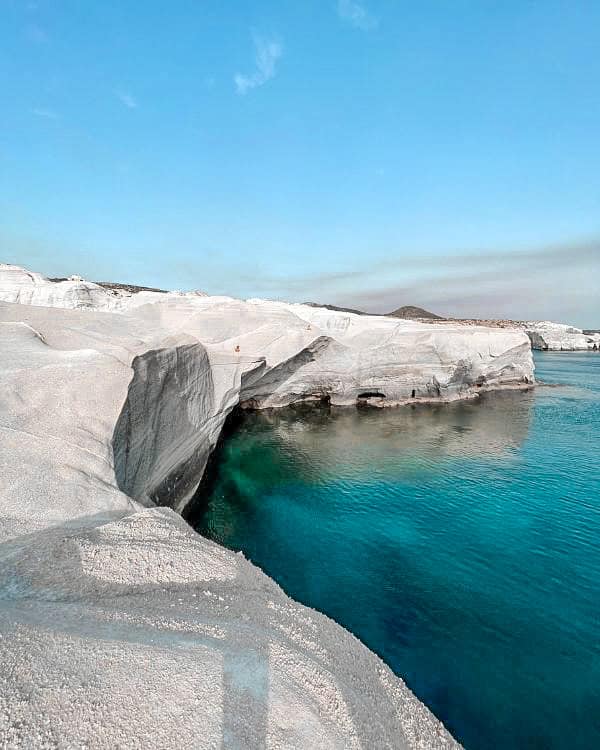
[{"x": 120, "y": 626}]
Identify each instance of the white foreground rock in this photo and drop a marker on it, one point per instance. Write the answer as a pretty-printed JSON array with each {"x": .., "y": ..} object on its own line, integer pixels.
[
  {"x": 120, "y": 626},
  {"x": 559, "y": 337}
]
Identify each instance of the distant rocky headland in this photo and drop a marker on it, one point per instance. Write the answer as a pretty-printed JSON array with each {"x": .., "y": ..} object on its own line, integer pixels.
[
  {"x": 544, "y": 334},
  {"x": 408, "y": 312},
  {"x": 113, "y": 399}
]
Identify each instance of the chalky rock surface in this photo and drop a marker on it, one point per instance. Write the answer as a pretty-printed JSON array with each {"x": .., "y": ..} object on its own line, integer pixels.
[
  {"x": 29, "y": 288},
  {"x": 17, "y": 284},
  {"x": 559, "y": 337},
  {"x": 119, "y": 625}
]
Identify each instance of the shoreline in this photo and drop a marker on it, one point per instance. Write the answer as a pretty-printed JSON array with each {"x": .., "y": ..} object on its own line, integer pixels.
[{"x": 107, "y": 414}]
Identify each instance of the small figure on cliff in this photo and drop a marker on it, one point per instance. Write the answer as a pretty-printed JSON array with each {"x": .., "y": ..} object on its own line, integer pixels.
[{"x": 237, "y": 349}]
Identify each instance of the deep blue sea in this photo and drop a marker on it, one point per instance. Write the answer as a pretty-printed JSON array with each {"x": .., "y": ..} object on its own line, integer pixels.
[{"x": 460, "y": 542}]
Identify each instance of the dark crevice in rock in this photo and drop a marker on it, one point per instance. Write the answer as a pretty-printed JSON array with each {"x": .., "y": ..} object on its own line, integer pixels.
[{"x": 198, "y": 503}]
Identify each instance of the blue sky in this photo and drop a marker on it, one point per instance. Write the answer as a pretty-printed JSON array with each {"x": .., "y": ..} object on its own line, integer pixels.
[{"x": 371, "y": 153}]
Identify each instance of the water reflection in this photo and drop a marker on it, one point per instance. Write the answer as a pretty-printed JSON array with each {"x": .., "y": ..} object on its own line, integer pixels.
[
  {"x": 326, "y": 442},
  {"x": 461, "y": 542}
]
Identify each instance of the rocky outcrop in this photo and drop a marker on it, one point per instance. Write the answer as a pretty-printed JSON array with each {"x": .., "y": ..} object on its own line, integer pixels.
[
  {"x": 29, "y": 288},
  {"x": 411, "y": 312},
  {"x": 557, "y": 337},
  {"x": 162, "y": 426},
  {"x": 122, "y": 626}
]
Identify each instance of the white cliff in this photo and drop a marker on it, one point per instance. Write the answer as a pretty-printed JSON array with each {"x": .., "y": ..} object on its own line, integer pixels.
[
  {"x": 558, "y": 337},
  {"x": 121, "y": 626}
]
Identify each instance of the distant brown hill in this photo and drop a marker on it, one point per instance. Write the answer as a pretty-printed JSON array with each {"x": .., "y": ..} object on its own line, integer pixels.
[
  {"x": 407, "y": 312},
  {"x": 410, "y": 311}
]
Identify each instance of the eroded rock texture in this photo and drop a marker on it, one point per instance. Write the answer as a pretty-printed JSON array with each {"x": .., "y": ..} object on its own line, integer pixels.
[
  {"x": 122, "y": 627},
  {"x": 558, "y": 337}
]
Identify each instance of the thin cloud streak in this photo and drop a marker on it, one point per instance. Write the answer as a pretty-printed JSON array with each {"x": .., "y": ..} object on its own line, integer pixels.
[
  {"x": 459, "y": 265},
  {"x": 357, "y": 15},
  {"x": 267, "y": 53},
  {"x": 126, "y": 99},
  {"x": 558, "y": 282},
  {"x": 47, "y": 114}
]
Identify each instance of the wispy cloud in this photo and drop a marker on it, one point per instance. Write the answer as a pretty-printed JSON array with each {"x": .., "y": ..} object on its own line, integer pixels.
[
  {"x": 493, "y": 284},
  {"x": 267, "y": 52},
  {"x": 47, "y": 114},
  {"x": 357, "y": 14},
  {"x": 126, "y": 99}
]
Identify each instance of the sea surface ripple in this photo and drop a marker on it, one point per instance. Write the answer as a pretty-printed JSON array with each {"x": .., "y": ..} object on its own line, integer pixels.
[{"x": 459, "y": 542}]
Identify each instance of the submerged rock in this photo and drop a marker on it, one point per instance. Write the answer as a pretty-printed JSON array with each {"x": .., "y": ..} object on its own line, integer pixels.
[{"x": 122, "y": 627}]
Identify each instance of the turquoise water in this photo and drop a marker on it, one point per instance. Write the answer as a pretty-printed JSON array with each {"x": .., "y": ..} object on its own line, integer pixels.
[{"x": 461, "y": 543}]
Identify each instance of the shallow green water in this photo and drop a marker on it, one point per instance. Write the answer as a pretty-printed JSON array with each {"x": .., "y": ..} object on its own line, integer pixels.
[{"x": 459, "y": 542}]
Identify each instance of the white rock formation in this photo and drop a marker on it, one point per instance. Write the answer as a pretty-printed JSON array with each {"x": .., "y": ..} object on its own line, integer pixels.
[
  {"x": 122, "y": 627},
  {"x": 29, "y": 288},
  {"x": 559, "y": 337}
]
